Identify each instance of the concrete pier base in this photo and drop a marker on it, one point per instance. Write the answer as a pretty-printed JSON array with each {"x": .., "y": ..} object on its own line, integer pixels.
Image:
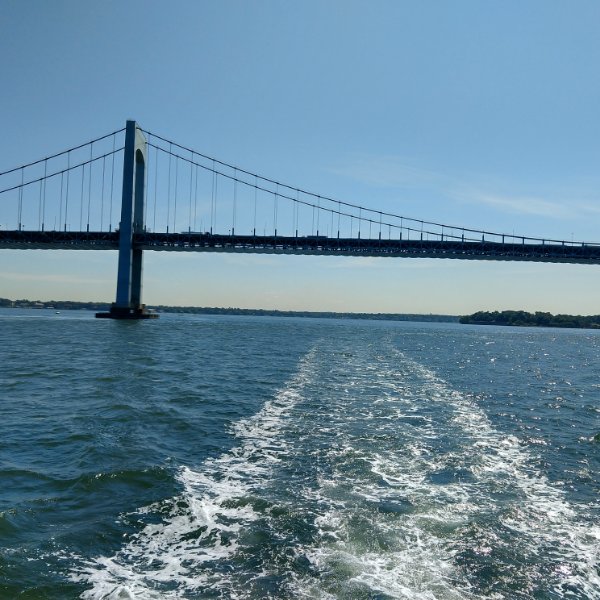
[{"x": 118, "y": 312}]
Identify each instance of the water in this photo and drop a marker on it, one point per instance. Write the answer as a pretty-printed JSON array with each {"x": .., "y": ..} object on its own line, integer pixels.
[{"x": 232, "y": 457}]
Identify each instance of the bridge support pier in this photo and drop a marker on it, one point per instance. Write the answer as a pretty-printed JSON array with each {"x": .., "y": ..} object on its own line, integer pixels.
[{"x": 128, "y": 304}]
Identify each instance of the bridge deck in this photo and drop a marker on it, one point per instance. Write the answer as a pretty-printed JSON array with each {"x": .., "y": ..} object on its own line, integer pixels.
[{"x": 311, "y": 245}]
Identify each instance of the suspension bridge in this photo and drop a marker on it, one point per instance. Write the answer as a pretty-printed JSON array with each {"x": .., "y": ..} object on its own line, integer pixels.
[{"x": 133, "y": 190}]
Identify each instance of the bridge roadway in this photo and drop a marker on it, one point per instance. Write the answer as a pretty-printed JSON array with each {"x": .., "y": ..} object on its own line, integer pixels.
[{"x": 554, "y": 252}]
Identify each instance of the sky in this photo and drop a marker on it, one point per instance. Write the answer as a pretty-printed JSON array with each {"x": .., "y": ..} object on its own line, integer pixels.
[{"x": 478, "y": 114}]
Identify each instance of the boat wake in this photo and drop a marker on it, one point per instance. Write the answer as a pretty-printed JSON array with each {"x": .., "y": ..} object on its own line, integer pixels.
[{"x": 366, "y": 476}]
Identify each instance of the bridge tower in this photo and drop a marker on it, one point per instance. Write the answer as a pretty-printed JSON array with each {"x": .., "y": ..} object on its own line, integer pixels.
[{"x": 128, "y": 304}]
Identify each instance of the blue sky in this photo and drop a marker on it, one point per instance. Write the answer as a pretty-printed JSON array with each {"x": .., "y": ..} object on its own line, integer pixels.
[{"x": 479, "y": 114}]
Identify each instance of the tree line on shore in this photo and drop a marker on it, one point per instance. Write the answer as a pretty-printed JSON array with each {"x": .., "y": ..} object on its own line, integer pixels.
[
  {"x": 521, "y": 318},
  {"x": 105, "y": 306}
]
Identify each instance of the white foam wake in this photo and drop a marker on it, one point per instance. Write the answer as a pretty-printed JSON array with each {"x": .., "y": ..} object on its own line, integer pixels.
[
  {"x": 546, "y": 526},
  {"x": 400, "y": 534},
  {"x": 375, "y": 499},
  {"x": 202, "y": 525},
  {"x": 396, "y": 475}
]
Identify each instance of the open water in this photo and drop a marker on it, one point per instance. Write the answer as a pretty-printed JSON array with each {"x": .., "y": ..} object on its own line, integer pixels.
[{"x": 233, "y": 457}]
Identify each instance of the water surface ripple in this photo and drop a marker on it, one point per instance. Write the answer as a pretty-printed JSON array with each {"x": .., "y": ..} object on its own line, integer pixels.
[{"x": 239, "y": 457}]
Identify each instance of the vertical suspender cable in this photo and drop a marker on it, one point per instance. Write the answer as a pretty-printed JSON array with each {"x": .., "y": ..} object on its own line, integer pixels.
[
  {"x": 255, "y": 199},
  {"x": 169, "y": 191},
  {"x": 175, "y": 195},
  {"x": 155, "y": 187},
  {"x": 212, "y": 198},
  {"x": 235, "y": 182},
  {"x": 318, "y": 212},
  {"x": 359, "y": 221},
  {"x": 81, "y": 198},
  {"x": 196, "y": 198},
  {"x": 112, "y": 181},
  {"x": 297, "y": 212},
  {"x": 275, "y": 198},
  {"x": 20, "y": 207},
  {"x": 90, "y": 186},
  {"x": 216, "y": 197},
  {"x": 102, "y": 194},
  {"x": 67, "y": 192},
  {"x": 191, "y": 185},
  {"x": 40, "y": 206},
  {"x": 44, "y": 196},
  {"x": 62, "y": 178}
]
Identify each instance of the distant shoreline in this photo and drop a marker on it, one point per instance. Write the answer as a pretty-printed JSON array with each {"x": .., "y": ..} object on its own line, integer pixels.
[
  {"x": 507, "y": 318},
  {"x": 104, "y": 306},
  {"x": 520, "y": 318}
]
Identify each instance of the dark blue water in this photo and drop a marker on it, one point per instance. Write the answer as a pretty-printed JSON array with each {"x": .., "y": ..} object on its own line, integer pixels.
[{"x": 232, "y": 457}]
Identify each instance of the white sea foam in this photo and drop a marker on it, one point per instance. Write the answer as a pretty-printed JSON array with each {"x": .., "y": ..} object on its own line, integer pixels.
[
  {"x": 377, "y": 437},
  {"x": 546, "y": 524},
  {"x": 202, "y": 525},
  {"x": 418, "y": 552},
  {"x": 372, "y": 535}
]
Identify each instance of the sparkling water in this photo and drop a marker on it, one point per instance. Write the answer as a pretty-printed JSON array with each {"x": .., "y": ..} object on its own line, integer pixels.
[{"x": 257, "y": 457}]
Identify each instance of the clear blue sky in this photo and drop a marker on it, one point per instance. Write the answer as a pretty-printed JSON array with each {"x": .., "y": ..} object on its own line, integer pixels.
[{"x": 481, "y": 114}]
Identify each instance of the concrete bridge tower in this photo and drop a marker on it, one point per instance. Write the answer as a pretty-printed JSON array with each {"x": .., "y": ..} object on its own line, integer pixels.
[{"x": 128, "y": 304}]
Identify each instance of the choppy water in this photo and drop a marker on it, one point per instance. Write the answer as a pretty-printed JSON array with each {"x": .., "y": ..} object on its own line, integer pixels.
[{"x": 230, "y": 457}]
